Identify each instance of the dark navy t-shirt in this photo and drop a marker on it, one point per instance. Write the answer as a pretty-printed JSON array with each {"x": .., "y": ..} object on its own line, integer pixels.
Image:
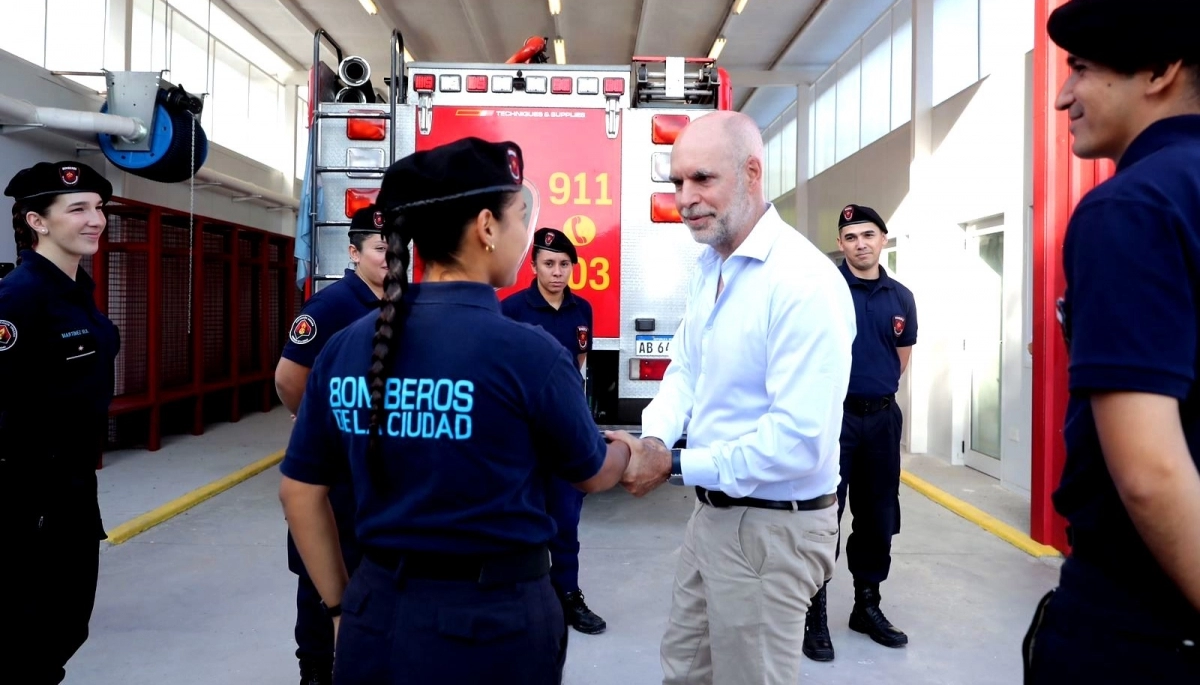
[
  {"x": 886, "y": 313},
  {"x": 1132, "y": 263},
  {"x": 570, "y": 324},
  {"x": 480, "y": 409},
  {"x": 328, "y": 311}
]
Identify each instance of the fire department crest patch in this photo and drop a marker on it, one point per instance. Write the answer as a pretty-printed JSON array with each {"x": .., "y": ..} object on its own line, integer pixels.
[
  {"x": 378, "y": 218},
  {"x": 8, "y": 335},
  {"x": 549, "y": 239},
  {"x": 69, "y": 175},
  {"x": 304, "y": 329},
  {"x": 848, "y": 213},
  {"x": 514, "y": 165},
  {"x": 898, "y": 325},
  {"x": 582, "y": 335}
]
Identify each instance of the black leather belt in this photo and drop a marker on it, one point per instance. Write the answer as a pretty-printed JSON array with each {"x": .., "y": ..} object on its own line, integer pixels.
[
  {"x": 515, "y": 567},
  {"x": 716, "y": 498},
  {"x": 867, "y": 405}
]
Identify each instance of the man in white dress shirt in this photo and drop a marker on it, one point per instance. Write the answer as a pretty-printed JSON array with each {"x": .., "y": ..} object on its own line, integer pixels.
[{"x": 759, "y": 369}]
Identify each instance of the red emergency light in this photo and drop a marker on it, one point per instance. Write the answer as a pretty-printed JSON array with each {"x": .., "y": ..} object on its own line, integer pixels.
[
  {"x": 560, "y": 85},
  {"x": 663, "y": 209},
  {"x": 423, "y": 83},
  {"x": 477, "y": 83},
  {"x": 366, "y": 129},
  {"x": 665, "y": 128},
  {"x": 358, "y": 198},
  {"x": 648, "y": 369},
  {"x": 614, "y": 86}
]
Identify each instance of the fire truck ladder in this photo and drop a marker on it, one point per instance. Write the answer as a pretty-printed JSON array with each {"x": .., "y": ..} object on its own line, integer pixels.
[
  {"x": 396, "y": 95},
  {"x": 692, "y": 82}
]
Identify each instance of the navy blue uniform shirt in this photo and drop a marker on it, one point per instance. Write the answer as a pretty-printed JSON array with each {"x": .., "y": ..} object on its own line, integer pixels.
[
  {"x": 56, "y": 363},
  {"x": 1130, "y": 314},
  {"x": 328, "y": 311},
  {"x": 570, "y": 324},
  {"x": 479, "y": 409},
  {"x": 887, "y": 318}
]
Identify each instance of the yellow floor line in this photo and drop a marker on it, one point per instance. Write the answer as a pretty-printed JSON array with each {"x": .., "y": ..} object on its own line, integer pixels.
[
  {"x": 129, "y": 529},
  {"x": 980, "y": 518}
]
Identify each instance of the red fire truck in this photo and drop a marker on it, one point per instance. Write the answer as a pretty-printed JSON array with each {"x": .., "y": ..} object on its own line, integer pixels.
[{"x": 596, "y": 142}]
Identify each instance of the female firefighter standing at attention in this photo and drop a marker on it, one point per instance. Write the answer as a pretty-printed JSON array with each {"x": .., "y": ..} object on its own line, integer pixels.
[
  {"x": 56, "y": 359},
  {"x": 449, "y": 417}
]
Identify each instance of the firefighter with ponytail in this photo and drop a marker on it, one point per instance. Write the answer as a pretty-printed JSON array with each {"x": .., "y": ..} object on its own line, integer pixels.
[
  {"x": 449, "y": 417},
  {"x": 56, "y": 356}
]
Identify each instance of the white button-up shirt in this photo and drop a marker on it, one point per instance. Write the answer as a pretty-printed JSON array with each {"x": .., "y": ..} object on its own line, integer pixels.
[{"x": 758, "y": 374}]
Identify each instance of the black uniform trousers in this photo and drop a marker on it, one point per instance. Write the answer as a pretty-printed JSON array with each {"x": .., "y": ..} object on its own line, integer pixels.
[
  {"x": 397, "y": 628},
  {"x": 1092, "y": 630},
  {"x": 564, "y": 503},
  {"x": 50, "y": 576},
  {"x": 870, "y": 470},
  {"x": 314, "y": 630}
]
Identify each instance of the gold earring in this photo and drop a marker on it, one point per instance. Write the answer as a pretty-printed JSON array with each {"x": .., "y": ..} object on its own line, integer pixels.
[{"x": 490, "y": 247}]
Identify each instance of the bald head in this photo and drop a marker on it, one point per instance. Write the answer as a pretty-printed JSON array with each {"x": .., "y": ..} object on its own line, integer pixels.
[{"x": 717, "y": 169}]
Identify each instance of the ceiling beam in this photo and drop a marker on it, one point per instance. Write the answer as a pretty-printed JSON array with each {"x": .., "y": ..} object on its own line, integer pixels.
[
  {"x": 264, "y": 38},
  {"x": 791, "y": 45},
  {"x": 477, "y": 33},
  {"x": 755, "y": 78},
  {"x": 641, "y": 28}
]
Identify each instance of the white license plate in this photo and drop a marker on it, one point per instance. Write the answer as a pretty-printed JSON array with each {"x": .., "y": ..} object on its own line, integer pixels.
[{"x": 653, "y": 345}]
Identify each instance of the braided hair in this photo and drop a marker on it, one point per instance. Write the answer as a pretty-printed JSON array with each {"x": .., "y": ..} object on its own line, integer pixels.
[
  {"x": 436, "y": 230},
  {"x": 23, "y": 233}
]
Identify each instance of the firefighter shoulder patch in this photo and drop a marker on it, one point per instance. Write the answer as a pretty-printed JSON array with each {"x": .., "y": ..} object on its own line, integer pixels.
[
  {"x": 8, "y": 335},
  {"x": 898, "y": 325},
  {"x": 582, "y": 334},
  {"x": 303, "y": 330}
]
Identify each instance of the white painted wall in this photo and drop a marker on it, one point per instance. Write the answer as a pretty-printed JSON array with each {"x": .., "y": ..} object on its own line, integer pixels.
[
  {"x": 978, "y": 167},
  {"x": 25, "y": 81}
]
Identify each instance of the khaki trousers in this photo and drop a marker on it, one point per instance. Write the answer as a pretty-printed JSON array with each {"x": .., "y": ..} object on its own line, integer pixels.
[{"x": 743, "y": 586}]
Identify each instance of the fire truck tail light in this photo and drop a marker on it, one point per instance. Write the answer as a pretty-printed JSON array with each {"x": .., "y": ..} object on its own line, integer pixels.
[
  {"x": 614, "y": 86},
  {"x": 450, "y": 83},
  {"x": 535, "y": 84},
  {"x": 660, "y": 167},
  {"x": 666, "y": 127},
  {"x": 502, "y": 84},
  {"x": 357, "y": 198},
  {"x": 477, "y": 83},
  {"x": 366, "y": 129},
  {"x": 560, "y": 85},
  {"x": 588, "y": 85},
  {"x": 648, "y": 369},
  {"x": 423, "y": 83},
  {"x": 663, "y": 209}
]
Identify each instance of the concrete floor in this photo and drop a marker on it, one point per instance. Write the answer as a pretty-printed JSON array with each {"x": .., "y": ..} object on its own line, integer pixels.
[{"x": 207, "y": 598}]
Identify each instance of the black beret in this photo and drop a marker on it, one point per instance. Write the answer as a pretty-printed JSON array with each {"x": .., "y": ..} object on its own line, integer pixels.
[
  {"x": 554, "y": 241},
  {"x": 1125, "y": 35},
  {"x": 857, "y": 214},
  {"x": 369, "y": 219},
  {"x": 469, "y": 166},
  {"x": 44, "y": 179}
]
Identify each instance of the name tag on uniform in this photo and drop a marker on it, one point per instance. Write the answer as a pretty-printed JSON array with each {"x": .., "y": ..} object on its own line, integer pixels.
[{"x": 78, "y": 344}]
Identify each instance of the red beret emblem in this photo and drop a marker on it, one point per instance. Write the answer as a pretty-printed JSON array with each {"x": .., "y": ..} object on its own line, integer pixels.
[
  {"x": 514, "y": 165},
  {"x": 69, "y": 175},
  {"x": 378, "y": 219},
  {"x": 848, "y": 213},
  {"x": 549, "y": 239}
]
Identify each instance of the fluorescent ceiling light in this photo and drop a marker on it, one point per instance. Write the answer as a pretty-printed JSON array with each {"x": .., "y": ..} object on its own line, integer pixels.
[
  {"x": 560, "y": 51},
  {"x": 369, "y": 6},
  {"x": 555, "y": 6},
  {"x": 718, "y": 46},
  {"x": 741, "y": 5}
]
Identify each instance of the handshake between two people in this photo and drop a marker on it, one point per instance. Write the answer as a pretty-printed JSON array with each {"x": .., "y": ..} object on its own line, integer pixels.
[{"x": 649, "y": 462}]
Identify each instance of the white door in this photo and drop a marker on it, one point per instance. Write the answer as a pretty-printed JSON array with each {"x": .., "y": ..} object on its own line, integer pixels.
[{"x": 984, "y": 345}]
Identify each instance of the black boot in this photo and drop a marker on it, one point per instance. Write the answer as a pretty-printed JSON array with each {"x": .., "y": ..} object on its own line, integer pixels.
[
  {"x": 866, "y": 617},
  {"x": 579, "y": 616},
  {"x": 817, "y": 644},
  {"x": 316, "y": 673}
]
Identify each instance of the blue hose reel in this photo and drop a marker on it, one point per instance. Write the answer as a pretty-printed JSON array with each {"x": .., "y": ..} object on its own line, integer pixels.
[{"x": 175, "y": 147}]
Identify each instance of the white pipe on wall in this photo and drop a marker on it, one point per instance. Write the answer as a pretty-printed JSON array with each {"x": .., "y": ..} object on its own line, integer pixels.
[{"x": 71, "y": 122}]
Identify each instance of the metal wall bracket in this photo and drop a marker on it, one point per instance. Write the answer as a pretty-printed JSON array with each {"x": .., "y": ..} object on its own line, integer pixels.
[{"x": 133, "y": 94}]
